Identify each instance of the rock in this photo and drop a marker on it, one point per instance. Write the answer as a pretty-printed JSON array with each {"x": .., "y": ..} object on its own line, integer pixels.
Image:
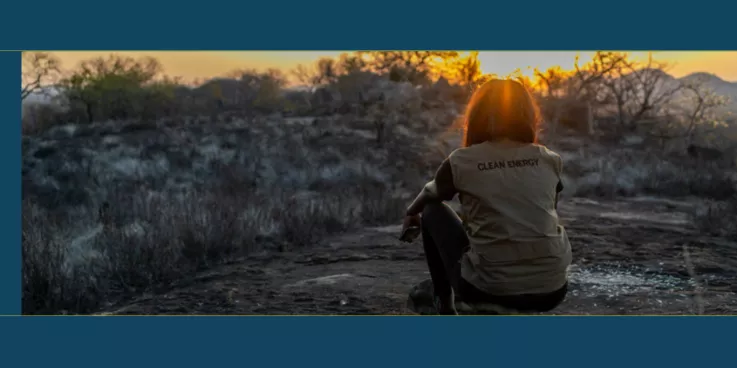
[{"x": 420, "y": 299}]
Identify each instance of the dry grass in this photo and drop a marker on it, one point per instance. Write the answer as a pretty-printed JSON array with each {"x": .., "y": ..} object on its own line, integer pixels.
[
  {"x": 187, "y": 197},
  {"x": 74, "y": 264}
]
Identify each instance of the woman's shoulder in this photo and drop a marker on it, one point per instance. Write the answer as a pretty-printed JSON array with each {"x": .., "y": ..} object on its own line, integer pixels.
[
  {"x": 550, "y": 156},
  {"x": 545, "y": 150},
  {"x": 461, "y": 151}
]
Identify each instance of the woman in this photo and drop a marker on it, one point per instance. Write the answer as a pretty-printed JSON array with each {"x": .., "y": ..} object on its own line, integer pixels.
[{"x": 510, "y": 249}]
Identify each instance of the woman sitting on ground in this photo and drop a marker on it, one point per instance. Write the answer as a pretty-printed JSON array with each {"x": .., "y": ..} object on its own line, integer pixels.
[{"x": 510, "y": 249}]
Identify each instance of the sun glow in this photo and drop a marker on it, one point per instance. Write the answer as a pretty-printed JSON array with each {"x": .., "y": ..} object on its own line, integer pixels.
[
  {"x": 207, "y": 64},
  {"x": 525, "y": 62}
]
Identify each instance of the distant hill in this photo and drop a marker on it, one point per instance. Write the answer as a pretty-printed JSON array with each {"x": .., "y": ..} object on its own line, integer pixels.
[
  {"x": 44, "y": 96},
  {"x": 718, "y": 85}
]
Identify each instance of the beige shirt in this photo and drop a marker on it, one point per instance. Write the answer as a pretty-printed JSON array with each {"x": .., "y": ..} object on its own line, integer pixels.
[{"x": 508, "y": 193}]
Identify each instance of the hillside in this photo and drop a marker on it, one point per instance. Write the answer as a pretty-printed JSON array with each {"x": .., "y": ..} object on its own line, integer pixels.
[
  {"x": 280, "y": 216},
  {"x": 187, "y": 195},
  {"x": 714, "y": 83}
]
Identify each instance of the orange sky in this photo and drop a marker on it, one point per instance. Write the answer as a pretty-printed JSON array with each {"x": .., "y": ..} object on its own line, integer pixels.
[{"x": 205, "y": 64}]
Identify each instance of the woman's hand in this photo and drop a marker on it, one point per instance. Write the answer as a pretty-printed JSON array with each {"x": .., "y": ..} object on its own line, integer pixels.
[
  {"x": 410, "y": 228},
  {"x": 411, "y": 221}
]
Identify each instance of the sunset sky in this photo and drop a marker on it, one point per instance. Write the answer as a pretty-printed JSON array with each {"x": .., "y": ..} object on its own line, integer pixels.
[{"x": 207, "y": 64}]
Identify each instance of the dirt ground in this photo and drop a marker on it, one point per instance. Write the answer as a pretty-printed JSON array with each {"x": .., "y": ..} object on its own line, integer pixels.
[{"x": 637, "y": 256}]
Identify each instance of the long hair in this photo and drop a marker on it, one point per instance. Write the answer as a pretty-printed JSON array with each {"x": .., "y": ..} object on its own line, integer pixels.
[{"x": 501, "y": 109}]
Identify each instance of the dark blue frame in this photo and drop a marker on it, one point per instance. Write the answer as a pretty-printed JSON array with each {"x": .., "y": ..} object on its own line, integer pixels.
[{"x": 345, "y": 341}]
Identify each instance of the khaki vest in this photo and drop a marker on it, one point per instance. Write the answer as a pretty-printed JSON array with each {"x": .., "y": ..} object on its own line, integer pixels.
[{"x": 507, "y": 194}]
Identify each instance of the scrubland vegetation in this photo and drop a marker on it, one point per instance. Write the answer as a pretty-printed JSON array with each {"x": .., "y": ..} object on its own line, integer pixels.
[{"x": 135, "y": 181}]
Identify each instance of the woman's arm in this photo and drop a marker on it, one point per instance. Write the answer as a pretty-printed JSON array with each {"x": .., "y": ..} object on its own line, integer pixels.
[
  {"x": 559, "y": 187},
  {"x": 441, "y": 188}
]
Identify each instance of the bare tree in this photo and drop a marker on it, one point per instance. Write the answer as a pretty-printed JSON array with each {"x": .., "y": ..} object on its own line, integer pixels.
[
  {"x": 585, "y": 83},
  {"x": 576, "y": 90},
  {"x": 695, "y": 113},
  {"x": 405, "y": 66},
  {"x": 351, "y": 63},
  {"x": 637, "y": 92},
  {"x": 328, "y": 71},
  {"x": 640, "y": 91},
  {"x": 705, "y": 114},
  {"x": 466, "y": 71},
  {"x": 39, "y": 69},
  {"x": 305, "y": 75},
  {"x": 552, "y": 80}
]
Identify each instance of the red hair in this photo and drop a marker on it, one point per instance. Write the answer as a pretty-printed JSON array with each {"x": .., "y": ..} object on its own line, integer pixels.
[{"x": 501, "y": 109}]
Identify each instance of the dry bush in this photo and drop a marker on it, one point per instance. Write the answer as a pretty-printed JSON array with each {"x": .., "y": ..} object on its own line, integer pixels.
[
  {"x": 167, "y": 240},
  {"x": 630, "y": 172},
  {"x": 717, "y": 218},
  {"x": 38, "y": 118}
]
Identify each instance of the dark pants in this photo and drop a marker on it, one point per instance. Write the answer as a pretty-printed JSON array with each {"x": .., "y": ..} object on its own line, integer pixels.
[{"x": 445, "y": 242}]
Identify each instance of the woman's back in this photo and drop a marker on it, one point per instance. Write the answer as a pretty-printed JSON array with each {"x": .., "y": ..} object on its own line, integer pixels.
[
  {"x": 507, "y": 190},
  {"x": 508, "y": 195}
]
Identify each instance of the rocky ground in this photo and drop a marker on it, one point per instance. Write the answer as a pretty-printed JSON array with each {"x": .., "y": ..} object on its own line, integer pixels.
[{"x": 636, "y": 256}]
